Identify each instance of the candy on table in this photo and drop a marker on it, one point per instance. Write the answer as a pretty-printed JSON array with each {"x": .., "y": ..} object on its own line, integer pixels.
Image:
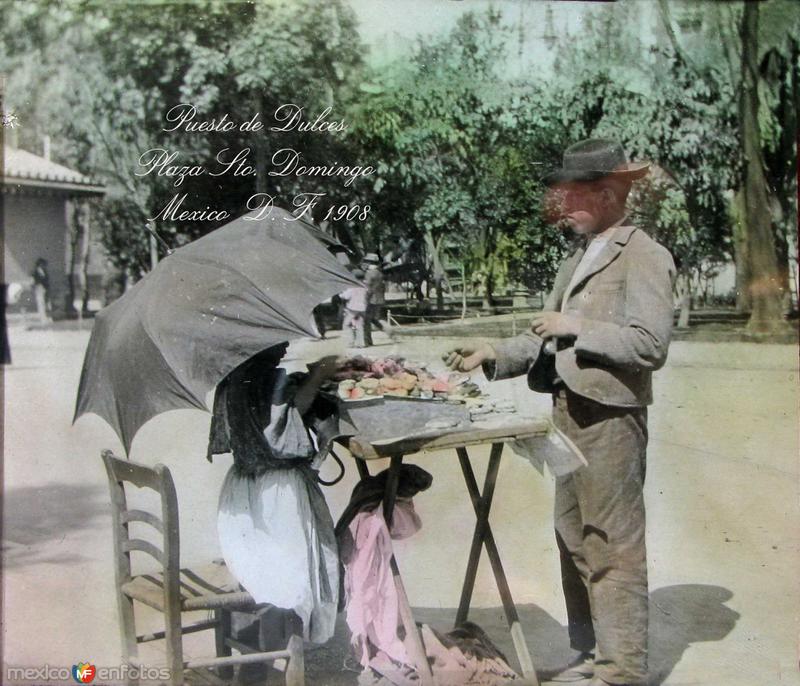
[{"x": 361, "y": 376}]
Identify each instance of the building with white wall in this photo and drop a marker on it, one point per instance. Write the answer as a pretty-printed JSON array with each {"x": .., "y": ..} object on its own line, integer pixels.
[{"x": 38, "y": 196}]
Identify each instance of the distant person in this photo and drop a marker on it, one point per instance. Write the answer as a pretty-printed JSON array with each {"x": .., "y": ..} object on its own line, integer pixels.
[
  {"x": 376, "y": 295},
  {"x": 355, "y": 313},
  {"x": 3, "y": 324},
  {"x": 41, "y": 289}
]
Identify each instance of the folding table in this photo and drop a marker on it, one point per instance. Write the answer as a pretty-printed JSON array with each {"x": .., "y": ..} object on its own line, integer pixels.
[{"x": 369, "y": 444}]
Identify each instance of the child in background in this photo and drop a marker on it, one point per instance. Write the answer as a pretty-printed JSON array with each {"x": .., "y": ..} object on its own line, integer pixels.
[{"x": 355, "y": 313}]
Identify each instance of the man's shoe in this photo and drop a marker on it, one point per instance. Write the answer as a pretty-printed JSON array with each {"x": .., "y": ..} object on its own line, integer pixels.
[{"x": 581, "y": 669}]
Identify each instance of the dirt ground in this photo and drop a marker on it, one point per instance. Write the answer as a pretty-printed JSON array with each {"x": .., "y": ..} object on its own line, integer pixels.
[{"x": 722, "y": 497}]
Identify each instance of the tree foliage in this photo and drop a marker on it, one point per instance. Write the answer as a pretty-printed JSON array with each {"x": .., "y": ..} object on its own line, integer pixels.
[
  {"x": 457, "y": 152},
  {"x": 459, "y": 147},
  {"x": 120, "y": 67}
]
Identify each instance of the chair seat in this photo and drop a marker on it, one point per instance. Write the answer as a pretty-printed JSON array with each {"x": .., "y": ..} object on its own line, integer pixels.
[{"x": 207, "y": 587}]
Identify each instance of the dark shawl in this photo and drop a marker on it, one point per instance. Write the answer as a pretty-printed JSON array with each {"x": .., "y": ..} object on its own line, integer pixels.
[{"x": 244, "y": 421}]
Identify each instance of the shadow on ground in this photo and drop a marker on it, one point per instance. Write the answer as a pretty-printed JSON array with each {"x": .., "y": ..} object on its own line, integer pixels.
[
  {"x": 36, "y": 520},
  {"x": 679, "y": 616},
  {"x": 683, "y": 615}
]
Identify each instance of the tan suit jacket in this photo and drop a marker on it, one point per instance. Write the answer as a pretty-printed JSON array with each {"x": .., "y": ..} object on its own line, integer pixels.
[{"x": 625, "y": 303}]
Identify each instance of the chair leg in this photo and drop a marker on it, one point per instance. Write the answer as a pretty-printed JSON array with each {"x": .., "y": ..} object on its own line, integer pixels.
[
  {"x": 222, "y": 632},
  {"x": 295, "y": 670},
  {"x": 127, "y": 629},
  {"x": 174, "y": 646}
]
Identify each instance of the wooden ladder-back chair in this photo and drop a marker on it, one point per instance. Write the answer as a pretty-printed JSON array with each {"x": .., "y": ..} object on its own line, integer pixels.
[{"x": 173, "y": 590}]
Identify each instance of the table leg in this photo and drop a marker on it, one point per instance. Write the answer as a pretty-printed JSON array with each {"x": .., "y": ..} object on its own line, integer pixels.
[
  {"x": 416, "y": 647},
  {"x": 363, "y": 470},
  {"x": 482, "y": 512},
  {"x": 390, "y": 494},
  {"x": 482, "y": 509},
  {"x": 414, "y": 644}
]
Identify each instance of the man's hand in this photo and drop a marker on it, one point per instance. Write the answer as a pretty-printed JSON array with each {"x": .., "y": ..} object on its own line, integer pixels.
[
  {"x": 555, "y": 325},
  {"x": 468, "y": 357}
]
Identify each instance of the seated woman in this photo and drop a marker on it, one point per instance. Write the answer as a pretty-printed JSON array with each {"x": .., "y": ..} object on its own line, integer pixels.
[{"x": 275, "y": 529}]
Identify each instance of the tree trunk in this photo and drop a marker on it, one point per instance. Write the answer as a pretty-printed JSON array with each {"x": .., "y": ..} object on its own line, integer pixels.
[
  {"x": 417, "y": 288},
  {"x": 744, "y": 303},
  {"x": 488, "y": 258},
  {"x": 779, "y": 73},
  {"x": 77, "y": 230},
  {"x": 765, "y": 283},
  {"x": 438, "y": 275},
  {"x": 781, "y": 237},
  {"x": 463, "y": 291},
  {"x": 487, "y": 302},
  {"x": 438, "y": 285},
  {"x": 85, "y": 254},
  {"x": 685, "y": 293}
]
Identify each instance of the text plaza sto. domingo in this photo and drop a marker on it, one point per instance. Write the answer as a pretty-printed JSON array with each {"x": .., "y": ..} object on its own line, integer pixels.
[{"x": 286, "y": 162}]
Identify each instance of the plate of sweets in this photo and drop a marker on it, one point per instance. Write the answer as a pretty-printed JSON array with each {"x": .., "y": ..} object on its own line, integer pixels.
[{"x": 363, "y": 379}]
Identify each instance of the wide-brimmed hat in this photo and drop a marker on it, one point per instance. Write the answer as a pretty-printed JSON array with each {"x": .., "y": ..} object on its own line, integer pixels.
[
  {"x": 593, "y": 159},
  {"x": 371, "y": 258}
]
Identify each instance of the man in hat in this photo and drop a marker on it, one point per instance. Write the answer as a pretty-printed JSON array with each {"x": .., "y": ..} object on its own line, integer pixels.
[
  {"x": 376, "y": 294},
  {"x": 605, "y": 328}
]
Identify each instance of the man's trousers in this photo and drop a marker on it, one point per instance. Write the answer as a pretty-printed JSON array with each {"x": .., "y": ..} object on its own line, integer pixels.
[{"x": 600, "y": 530}]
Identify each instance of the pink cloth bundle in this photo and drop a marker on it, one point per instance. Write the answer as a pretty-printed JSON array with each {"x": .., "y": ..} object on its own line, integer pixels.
[{"x": 373, "y": 613}]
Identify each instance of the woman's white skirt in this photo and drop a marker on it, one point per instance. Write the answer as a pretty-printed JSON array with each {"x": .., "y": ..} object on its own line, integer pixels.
[{"x": 277, "y": 539}]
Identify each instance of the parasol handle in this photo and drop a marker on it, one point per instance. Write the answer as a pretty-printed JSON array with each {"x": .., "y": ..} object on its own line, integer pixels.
[
  {"x": 341, "y": 468},
  {"x": 163, "y": 243}
]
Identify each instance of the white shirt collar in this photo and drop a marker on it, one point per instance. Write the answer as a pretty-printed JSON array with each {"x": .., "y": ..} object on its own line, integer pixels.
[{"x": 608, "y": 233}]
